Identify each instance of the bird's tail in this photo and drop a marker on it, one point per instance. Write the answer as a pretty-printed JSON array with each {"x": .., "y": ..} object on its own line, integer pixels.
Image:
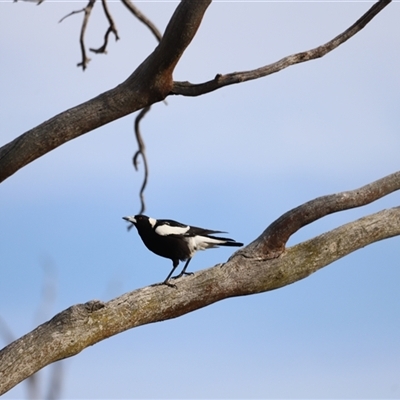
[{"x": 225, "y": 241}]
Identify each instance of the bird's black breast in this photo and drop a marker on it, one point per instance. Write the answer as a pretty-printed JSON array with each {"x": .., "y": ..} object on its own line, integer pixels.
[{"x": 171, "y": 246}]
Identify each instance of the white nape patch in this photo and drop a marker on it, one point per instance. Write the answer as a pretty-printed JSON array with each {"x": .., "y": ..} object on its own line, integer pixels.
[
  {"x": 165, "y": 230},
  {"x": 130, "y": 219},
  {"x": 152, "y": 222},
  {"x": 196, "y": 243}
]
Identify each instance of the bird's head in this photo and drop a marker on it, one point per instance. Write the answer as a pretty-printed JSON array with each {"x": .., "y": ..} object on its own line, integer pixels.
[{"x": 141, "y": 221}]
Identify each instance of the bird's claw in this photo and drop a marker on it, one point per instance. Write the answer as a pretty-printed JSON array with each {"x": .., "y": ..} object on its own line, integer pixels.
[
  {"x": 166, "y": 284},
  {"x": 181, "y": 274},
  {"x": 169, "y": 284}
]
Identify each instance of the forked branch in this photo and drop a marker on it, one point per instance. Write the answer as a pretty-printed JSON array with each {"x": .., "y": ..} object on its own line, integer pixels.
[
  {"x": 141, "y": 17},
  {"x": 150, "y": 83},
  {"x": 245, "y": 273},
  {"x": 111, "y": 29},
  {"x": 189, "y": 89},
  {"x": 273, "y": 240},
  {"x": 87, "y": 11}
]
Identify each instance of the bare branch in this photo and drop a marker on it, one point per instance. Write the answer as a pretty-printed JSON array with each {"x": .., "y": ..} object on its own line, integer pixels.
[
  {"x": 87, "y": 11},
  {"x": 38, "y": 2},
  {"x": 272, "y": 241},
  {"x": 149, "y": 83},
  {"x": 85, "y": 59},
  {"x": 112, "y": 28},
  {"x": 141, "y": 17},
  {"x": 245, "y": 273},
  {"x": 188, "y": 89},
  {"x": 139, "y": 140}
]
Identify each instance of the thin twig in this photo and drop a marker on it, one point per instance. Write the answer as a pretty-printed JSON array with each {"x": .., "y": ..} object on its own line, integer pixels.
[
  {"x": 38, "y": 2},
  {"x": 141, "y": 17},
  {"x": 141, "y": 147},
  {"x": 112, "y": 28},
  {"x": 189, "y": 89},
  {"x": 87, "y": 11},
  {"x": 141, "y": 152}
]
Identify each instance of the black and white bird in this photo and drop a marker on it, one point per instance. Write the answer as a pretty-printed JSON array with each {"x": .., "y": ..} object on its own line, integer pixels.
[{"x": 176, "y": 241}]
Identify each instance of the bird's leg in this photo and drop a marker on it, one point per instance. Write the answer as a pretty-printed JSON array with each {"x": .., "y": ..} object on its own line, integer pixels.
[
  {"x": 175, "y": 264},
  {"x": 183, "y": 271}
]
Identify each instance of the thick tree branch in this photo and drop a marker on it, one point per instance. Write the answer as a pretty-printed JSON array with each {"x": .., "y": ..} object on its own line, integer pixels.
[
  {"x": 189, "y": 89},
  {"x": 244, "y": 273},
  {"x": 272, "y": 241},
  {"x": 151, "y": 82}
]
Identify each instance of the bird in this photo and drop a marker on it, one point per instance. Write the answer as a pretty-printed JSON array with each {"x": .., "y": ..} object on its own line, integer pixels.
[{"x": 178, "y": 242}]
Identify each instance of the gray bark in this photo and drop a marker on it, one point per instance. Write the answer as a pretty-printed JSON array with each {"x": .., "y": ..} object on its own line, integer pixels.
[
  {"x": 263, "y": 265},
  {"x": 254, "y": 269}
]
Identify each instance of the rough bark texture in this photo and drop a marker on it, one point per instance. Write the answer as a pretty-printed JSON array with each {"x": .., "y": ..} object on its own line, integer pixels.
[
  {"x": 189, "y": 89},
  {"x": 247, "y": 272},
  {"x": 273, "y": 240},
  {"x": 263, "y": 265},
  {"x": 150, "y": 83}
]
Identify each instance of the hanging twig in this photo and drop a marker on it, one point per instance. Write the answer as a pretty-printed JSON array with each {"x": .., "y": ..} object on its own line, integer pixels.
[
  {"x": 87, "y": 10},
  {"x": 112, "y": 28},
  {"x": 141, "y": 151},
  {"x": 141, "y": 147},
  {"x": 141, "y": 17}
]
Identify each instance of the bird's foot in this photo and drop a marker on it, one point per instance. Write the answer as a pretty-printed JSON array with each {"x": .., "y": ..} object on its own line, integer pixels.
[
  {"x": 181, "y": 274},
  {"x": 165, "y": 283},
  {"x": 169, "y": 284}
]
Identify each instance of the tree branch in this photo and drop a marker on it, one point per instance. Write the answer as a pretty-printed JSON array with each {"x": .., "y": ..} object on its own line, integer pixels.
[
  {"x": 149, "y": 83},
  {"x": 272, "y": 241},
  {"x": 245, "y": 273},
  {"x": 87, "y": 11},
  {"x": 111, "y": 28},
  {"x": 141, "y": 17},
  {"x": 189, "y": 89},
  {"x": 141, "y": 146}
]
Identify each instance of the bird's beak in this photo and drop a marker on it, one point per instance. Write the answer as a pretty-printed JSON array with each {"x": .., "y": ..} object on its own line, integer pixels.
[{"x": 130, "y": 219}]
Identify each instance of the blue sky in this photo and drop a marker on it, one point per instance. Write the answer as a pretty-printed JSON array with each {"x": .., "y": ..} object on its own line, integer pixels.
[{"x": 233, "y": 160}]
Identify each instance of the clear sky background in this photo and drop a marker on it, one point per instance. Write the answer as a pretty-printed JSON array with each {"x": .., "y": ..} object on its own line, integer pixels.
[{"x": 232, "y": 160}]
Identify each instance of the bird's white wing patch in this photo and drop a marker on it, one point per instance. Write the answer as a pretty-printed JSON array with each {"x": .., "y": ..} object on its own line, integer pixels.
[
  {"x": 165, "y": 230},
  {"x": 196, "y": 243},
  {"x": 152, "y": 221}
]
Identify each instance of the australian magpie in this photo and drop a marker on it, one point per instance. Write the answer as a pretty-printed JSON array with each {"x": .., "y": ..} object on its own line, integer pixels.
[{"x": 176, "y": 241}]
